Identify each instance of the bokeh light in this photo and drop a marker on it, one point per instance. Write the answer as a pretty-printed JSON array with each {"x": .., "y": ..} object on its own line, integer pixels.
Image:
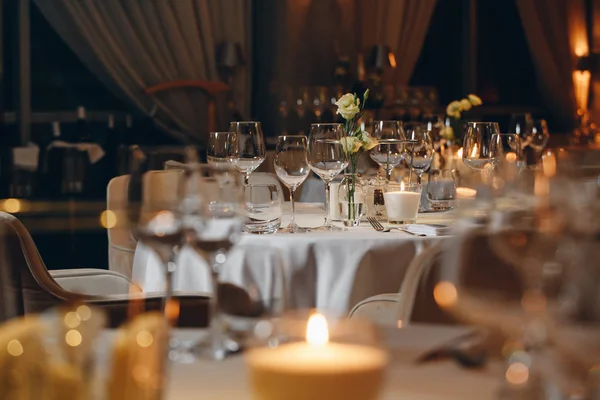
[
  {"x": 445, "y": 294},
  {"x": 108, "y": 219}
]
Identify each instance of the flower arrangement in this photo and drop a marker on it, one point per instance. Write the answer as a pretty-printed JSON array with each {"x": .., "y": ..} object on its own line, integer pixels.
[
  {"x": 356, "y": 141},
  {"x": 454, "y": 110}
]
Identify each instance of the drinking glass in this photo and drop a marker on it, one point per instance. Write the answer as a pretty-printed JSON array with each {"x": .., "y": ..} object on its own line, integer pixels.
[
  {"x": 251, "y": 147},
  {"x": 327, "y": 158},
  {"x": 390, "y": 151},
  {"x": 154, "y": 214},
  {"x": 291, "y": 166},
  {"x": 262, "y": 208},
  {"x": 441, "y": 189},
  {"x": 538, "y": 137},
  {"x": 477, "y": 152},
  {"x": 213, "y": 222},
  {"x": 509, "y": 147},
  {"x": 222, "y": 148},
  {"x": 521, "y": 124},
  {"x": 422, "y": 151}
]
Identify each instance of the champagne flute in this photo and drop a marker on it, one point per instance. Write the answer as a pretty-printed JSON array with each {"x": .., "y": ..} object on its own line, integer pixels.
[
  {"x": 222, "y": 148},
  {"x": 291, "y": 166},
  {"x": 251, "y": 147},
  {"x": 422, "y": 151},
  {"x": 389, "y": 153},
  {"x": 214, "y": 220},
  {"x": 327, "y": 158}
]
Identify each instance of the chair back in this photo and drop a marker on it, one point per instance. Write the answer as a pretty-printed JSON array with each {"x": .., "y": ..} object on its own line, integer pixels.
[
  {"x": 25, "y": 283},
  {"x": 121, "y": 244}
]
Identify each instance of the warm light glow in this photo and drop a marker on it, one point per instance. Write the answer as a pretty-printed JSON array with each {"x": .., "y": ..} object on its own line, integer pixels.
[
  {"x": 14, "y": 348},
  {"x": 73, "y": 338},
  {"x": 517, "y": 373},
  {"x": 172, "y": 311},
  {"x": 144, "y": 339},
  {"x": 108, "y": 219},
  {"x": 460, "y": 153},
  {"x": 72, "y": 320},
  {"x": 511, "y": 157},
  {"x": 581, "y": 82},
  {"x": 12, "y": 205},
  {"x": 163, "y": 222},
  {"x": 475, "y": 151},
  {"x": 541, "y": 186},
  {"x": 549, "y": 164},
  {"x": 399, "y": 324},
  {"x": 464, "y": 192},
  {"x": 392, "y": 59},
  {"x": 445, "y": 294},
  {"x": 317, "y": 332},
  {"x": 84, "y": 312},
  {"x": 402, "y": 186}
]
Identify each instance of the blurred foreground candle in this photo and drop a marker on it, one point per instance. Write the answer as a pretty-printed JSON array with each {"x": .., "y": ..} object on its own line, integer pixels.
[
  {"x": 402, "y": 203},
  {"x": 316, "y": 368}
]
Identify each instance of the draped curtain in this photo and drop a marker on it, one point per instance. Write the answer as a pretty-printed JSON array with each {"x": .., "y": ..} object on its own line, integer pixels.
[
  {"x": 400, "y": 24},
  {"x": 134, "y": 44},
  {"x": 556, "y": 34}
]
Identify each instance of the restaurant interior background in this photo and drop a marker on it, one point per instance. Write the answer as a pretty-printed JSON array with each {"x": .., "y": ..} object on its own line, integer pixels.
[{"x": 72, "y": 70}]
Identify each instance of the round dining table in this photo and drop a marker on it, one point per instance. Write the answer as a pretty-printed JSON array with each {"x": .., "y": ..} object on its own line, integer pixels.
[{"x": 326, "y": 270}]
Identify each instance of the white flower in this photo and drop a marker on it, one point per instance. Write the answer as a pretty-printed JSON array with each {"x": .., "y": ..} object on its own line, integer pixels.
[
  {"x": 447, "y": 132},
  {"x": 348, "y": 106},
  {"x": 368, "y": 141},
  {"x": 453, "y": 109},
  {"x": 465, "y": 105},
  {"x": 475, "y": 100},
  {"x": 350, "y": 144}
]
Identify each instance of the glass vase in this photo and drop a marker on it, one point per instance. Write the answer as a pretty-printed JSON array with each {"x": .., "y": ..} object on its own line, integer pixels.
[{"x": 351, "y": 199}]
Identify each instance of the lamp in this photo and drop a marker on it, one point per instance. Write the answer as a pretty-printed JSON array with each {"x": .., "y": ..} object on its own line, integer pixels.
[
  {"x": 381, "y": 57},
  {"x": 581, "y": 80}
]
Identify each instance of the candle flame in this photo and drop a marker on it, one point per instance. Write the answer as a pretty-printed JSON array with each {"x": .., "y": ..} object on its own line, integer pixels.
[
  {"x": 402, "y": 186},
  {"x": 317, "y": 333},
  {"x": 460, "y": 153}
]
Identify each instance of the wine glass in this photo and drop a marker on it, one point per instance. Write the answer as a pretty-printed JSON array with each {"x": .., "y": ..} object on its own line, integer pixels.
[
  {"x": 251, "y": 147},
  {"x": 521, "y": 124},
  {"x": 538, "y": 137},
  {"x": 422, "y": 150},
  {"x": 327, "y": 158},
  {"x": 291, "y": 166},
  {"x": 389, "y": 153},
  {"x": 477, "y": 151},
  {"x": 509, "y": 148},
  {"x": 154, "y": 214},
  {"x": 213, "y": 222},
  {"x": 222, "y": 148}
]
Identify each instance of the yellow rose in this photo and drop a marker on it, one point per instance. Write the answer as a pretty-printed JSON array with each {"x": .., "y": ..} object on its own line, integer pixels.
[
  {"x": 465, "y": 105},
  {"x": 453, "y": 109},
  {"x": 475, "y": 100},
  {"x": 350, "y": 144},
  {"x": 348, "y": 106},
  {"x": 368, "y": 141}
]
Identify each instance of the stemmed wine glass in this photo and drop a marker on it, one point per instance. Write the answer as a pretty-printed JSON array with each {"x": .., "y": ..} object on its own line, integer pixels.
[
  {"x": 537, "y": 138},
  {"x": 291, "y": 166},
  {"x": 222, "y": 148},
  {"x": 390, "y": 151},
  {"x": 251, "y": 147},
  {"x": 153, "y": 211},
  {"x": 477, "y": 151},
  {"x": 213, "y": 222},
  {"x": 509, "y": 148},
  {"x": 327, "y": 158},
  {"x": 422, "y": 150}
]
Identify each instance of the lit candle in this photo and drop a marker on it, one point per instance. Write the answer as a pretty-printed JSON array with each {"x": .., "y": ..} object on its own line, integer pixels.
[
  {"x": 317, "y": 368},
  {"x": 402, "y": 206}
]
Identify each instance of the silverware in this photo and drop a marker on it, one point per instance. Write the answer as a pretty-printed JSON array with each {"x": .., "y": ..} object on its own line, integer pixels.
[{"x": 380, "y": 228}]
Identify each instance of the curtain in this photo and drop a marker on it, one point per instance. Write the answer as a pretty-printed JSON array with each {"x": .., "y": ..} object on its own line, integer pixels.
[
  {"x": 400, "y": 24},
  {"x": 554, "y": 36},
  {"x": 134, "y": 44}
]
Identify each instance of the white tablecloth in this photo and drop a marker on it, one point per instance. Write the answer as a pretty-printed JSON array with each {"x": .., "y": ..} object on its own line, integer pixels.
[
  {"x": 326, "y": 270},
  {"x": 405, "y": 379}
]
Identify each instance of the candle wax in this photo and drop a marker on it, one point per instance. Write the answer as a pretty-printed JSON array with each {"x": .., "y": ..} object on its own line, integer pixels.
[{"x": 402, "y": 206}]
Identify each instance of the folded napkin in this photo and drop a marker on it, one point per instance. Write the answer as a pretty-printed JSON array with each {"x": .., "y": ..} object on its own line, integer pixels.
[
  {"x": 429, "y": 229},
  {"x": 26, "y": 157},
  {"x": 94, "y": 150}
]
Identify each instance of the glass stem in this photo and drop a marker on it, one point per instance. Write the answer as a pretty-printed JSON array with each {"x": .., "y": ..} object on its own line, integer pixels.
[
  {"x": 388, "y": 174},
  {"x": 169, "y": 270},
  {"x": 327, "y": 213},
  {"x": 293, "y": 221},
  {"x": 217, "y": 336},
  {"x": 246, "y": 178},
  {"x": 419, "y": 176}
]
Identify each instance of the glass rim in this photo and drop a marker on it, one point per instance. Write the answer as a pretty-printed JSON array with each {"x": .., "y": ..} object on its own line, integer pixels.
[
  {"x": 292, "y": 136},
  {"x": 327, "y": 124},
  {"x": 244, "y": 122},
  {"x": 481, "y": 123},
  {"x": 222, "y": 132}
]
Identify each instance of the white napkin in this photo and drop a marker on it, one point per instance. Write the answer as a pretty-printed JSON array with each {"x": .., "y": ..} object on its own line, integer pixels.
[
  {"x": 94, "y": 150},
  {"x": 429, "y": 229},
  {"x": 26, "y": 157}
]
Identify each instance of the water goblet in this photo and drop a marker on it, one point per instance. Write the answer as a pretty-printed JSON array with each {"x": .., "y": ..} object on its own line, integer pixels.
[
  {"x": 222, "y": 148},
  {"x": 478, "y": 154},
  {"x": 327, "y": 158},
  {"x": 251, "y": 147},
  {"x": 389, "y": 153},
  {"x": 421, "y": 151},
  {"x": 291, "y": 166}
]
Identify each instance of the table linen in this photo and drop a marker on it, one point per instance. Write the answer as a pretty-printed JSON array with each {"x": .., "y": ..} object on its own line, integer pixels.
[{"x": 326, "y": 270}]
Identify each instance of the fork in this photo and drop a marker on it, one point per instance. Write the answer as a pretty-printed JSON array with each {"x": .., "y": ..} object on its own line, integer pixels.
[{"x": 380, "y": 228}]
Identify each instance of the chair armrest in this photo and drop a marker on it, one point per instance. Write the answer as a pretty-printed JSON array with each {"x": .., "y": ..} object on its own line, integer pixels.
[
  {"x": 193, "y": 309},
  {"x": 94, "y": 282},
  {"x": 380, "y": 309}
]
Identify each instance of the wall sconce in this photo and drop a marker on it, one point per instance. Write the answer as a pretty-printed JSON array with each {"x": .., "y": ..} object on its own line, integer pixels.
[
  {"x": 381, "y": 57},
  {"x": 581, "y": 80}
]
